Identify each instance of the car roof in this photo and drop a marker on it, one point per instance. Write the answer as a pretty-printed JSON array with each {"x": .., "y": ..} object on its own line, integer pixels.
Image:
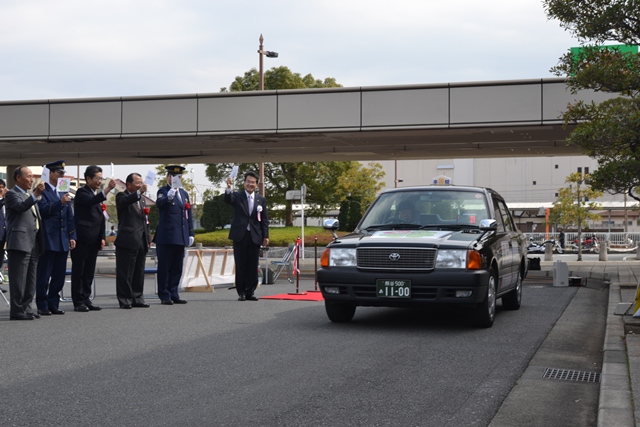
[{"x": 443, "y": 188}]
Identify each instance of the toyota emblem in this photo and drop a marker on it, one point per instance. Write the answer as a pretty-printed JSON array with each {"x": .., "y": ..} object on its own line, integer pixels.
[{"x": 394, "y": 256}]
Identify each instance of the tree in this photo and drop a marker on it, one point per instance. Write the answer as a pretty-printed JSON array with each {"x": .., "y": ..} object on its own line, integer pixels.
[
  {"x": 357, "y": 188},
  {"x": 278, "y": 78},
  {"x": 216, "y": 213},
  {"x": 575, "y": 204},
  {"x": 608, "y": 131}
]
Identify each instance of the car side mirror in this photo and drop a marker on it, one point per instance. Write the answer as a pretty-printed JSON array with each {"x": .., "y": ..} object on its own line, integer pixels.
[
  {"x": 488, "y": 224},
  {"x": 332, "y": 225}
]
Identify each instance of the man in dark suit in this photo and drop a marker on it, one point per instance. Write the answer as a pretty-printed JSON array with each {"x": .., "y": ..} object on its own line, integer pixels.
[
  {"x": 25, "y": 242},
  {"x": 90, "y": 226},
  {"x": 132, "y": 243},
  {"x": 59, "y": 238},
  {"x": 3, "y": 224},
  {"x": 249, "y": 230},
  {"x": 174, "y": 233}
]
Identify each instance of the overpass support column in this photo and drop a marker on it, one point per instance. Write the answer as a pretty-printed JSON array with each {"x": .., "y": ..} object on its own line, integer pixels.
[{"x": 10, "y": 181}]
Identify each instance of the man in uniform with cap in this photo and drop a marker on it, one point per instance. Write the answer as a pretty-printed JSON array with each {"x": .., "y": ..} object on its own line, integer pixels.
[
  {"x": 174, "y": 233},
  {"x": 59, "y": 237}
]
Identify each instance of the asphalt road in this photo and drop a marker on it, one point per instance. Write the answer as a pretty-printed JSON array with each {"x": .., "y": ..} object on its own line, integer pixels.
[{"x": 217, "y": 361}]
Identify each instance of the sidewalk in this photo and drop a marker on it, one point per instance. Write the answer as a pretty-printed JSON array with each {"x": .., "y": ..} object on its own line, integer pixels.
[{"x": 620, "y": 375}]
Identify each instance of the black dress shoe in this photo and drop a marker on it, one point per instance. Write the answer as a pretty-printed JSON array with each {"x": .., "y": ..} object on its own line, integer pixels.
[
  {"x": 81, "y": 308},
  {"x": 56, "y": 311},
  {"x": 166, "y": 302},
  {"x": 34, "y": 315},
  {"x": 252, "y": 298},
  {"x": 140, "y": 304},
  {"x": 44, "y": 312},
  {"x": 179, "y": 301},
  {"x": 241, "y": 298},
  {"x": 125, "y": 306},
  {"x": 93, "y": 307},
  {"x": 21, "y": 317}
]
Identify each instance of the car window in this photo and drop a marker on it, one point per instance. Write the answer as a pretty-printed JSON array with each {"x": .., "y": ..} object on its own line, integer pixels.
[
  {"x": 499, "y": 217},
  {"x": 506, "y": 219}
]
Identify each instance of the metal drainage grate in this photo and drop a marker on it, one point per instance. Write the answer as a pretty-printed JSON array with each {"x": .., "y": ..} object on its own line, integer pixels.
[{"x": 571, "y": 375}]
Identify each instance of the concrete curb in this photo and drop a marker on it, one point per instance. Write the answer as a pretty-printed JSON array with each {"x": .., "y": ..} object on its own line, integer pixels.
[{"x": 615, "y": 407}]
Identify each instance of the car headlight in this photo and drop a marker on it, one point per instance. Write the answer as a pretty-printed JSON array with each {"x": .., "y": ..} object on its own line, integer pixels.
[
  {"x": 451, "y": 258},
  {"x": 342, "y": 257}
]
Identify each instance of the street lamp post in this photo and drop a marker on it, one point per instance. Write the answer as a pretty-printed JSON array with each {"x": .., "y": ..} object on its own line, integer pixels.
[{"x": 261, "y": 54}]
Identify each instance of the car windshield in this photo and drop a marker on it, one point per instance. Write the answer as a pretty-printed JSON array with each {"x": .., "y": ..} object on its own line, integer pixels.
[{"x": 425, "y": 208}]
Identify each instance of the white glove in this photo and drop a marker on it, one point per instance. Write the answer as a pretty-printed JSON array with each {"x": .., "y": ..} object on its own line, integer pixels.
[
  {"x": 191, "y": 239},
  {"x": 171, "y": 194}
]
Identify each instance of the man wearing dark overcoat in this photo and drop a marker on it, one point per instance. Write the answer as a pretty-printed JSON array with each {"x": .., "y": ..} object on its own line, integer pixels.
[
  {"x": 89, "y": 212},
  {"x": 59, "y": 238},
  {"x": 132, "y": 243},
  {"x": 249, "y": 230},
  {"x": 3, "y": 224}
]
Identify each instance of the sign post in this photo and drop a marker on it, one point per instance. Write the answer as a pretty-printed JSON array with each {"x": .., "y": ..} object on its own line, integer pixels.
[{"x": 303, "y": 195}]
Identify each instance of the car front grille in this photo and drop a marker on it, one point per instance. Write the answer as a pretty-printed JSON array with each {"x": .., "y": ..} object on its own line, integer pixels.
[{"x": 396, "y": 258}]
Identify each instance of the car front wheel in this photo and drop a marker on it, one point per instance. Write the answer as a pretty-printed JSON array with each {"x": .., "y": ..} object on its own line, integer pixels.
[
  {"x": 486, "y": 311},
  {"x": 339, "y": 312}
]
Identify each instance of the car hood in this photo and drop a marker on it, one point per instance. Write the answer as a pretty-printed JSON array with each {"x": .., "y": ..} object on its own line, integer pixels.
[{"x": 429, "y": 238}]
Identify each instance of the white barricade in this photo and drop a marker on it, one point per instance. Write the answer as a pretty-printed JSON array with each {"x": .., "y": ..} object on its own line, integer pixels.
[{"x": 205, "y": 268}]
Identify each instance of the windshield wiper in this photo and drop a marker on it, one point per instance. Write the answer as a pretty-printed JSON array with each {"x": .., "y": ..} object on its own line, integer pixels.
[
  {"x": 450, "y": 226},
  {"x": 401, "y": 226}
]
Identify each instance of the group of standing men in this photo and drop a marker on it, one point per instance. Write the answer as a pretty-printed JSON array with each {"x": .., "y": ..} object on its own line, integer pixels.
[{"x": 41, "y": 228}]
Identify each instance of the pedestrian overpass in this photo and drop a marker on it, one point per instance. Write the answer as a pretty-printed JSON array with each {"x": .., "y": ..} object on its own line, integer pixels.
[{"x": 454, "y": 120}]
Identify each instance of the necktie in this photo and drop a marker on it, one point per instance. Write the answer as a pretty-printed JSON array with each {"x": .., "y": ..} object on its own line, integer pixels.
[
  {"x": 178, "y": 195},
  {"x": 250, "y": 204},
  {"x": 35, "y": 213}
]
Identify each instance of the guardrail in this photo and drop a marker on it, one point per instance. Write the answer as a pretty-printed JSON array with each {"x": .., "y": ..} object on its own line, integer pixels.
[{"x": 618, "y": 239}]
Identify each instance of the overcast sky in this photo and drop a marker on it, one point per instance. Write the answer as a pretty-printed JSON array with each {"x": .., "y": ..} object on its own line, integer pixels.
[{"x": 79, "y": 48}]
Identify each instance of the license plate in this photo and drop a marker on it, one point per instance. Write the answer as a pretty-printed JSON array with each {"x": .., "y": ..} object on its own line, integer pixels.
[{"x": 393, "y": 288}]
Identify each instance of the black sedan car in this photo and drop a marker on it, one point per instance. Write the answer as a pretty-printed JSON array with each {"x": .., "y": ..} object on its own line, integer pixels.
[{"x": 418, "y": 246}]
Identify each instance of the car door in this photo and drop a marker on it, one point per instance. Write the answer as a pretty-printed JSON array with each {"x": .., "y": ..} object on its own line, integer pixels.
[
  {"x": 502, "y": 249},
  {"x": 511, "y": 239}
]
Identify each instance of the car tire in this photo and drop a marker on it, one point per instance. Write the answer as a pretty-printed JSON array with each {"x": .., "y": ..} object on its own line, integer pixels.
[
  {"x": 513, "y": 299},
  {"x": 485, "y": 312},
  {"x": 339, "y": 312}
]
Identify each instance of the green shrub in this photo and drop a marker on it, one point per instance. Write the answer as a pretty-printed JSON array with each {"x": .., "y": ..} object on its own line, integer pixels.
[{"x": 278, "y": 237}]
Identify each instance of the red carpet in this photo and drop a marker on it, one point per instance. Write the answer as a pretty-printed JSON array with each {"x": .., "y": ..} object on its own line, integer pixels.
[{"x": 309, "y": 296}]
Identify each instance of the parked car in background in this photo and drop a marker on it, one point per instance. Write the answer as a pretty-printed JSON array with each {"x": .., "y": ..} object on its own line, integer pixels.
[{"x": 420, "y": 246}]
